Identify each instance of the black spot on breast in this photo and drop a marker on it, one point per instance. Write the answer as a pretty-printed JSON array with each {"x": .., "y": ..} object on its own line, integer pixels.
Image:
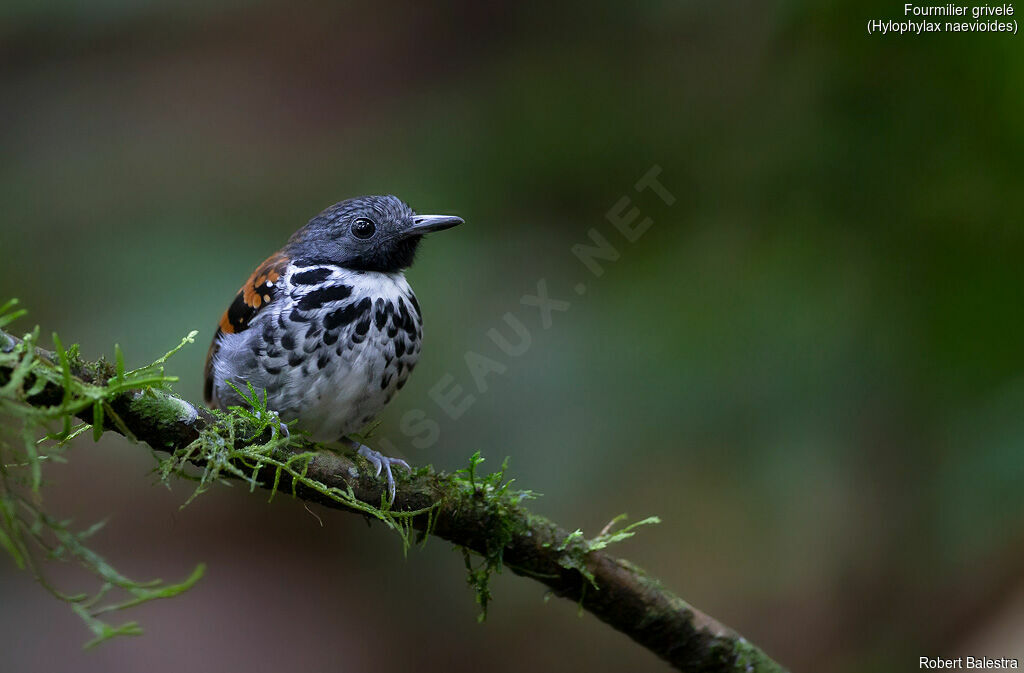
[
  {"x": 330, "y": 338},
  {"x": 296, "y": 316},
  {"x": 408, "y": 324},
  {"x": 311, "y": 277},
  {"x": 399, "y": 347},
  {"x": 295, "y": 359},
  {"x": 346, "y": 314},
  {"x": 380, "y": 315},
  {"x": 273, "y": 371},
  {"x": 313, "y": 332},
  {"x": 321, "y": 361},
  {"x": 363, "y": 326},
  {"x": 385, "y": 381},
  {"x": 305, "y": 369},
  {"x": 415, "y": 304},
  {"x": 274, "y": 352},
  {"x": 317, "y": 298},
  {"x": 392, "y": 331},
  {"x": 288, "y": 341},
  {"x": 339, "y": 317}
]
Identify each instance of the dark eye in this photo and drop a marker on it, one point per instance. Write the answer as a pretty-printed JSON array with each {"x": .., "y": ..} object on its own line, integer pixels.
[{"x": 363, "y": 228}]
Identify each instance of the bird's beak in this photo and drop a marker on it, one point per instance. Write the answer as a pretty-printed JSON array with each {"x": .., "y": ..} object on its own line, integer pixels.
[{"x": 424, "y": 224}]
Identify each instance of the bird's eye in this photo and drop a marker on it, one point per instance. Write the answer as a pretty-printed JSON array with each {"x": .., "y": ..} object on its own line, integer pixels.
[{"x": 363, "y": 228}]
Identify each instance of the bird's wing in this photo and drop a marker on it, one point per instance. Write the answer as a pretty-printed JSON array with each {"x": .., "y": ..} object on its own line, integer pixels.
[{"x": 254, "y": 296}]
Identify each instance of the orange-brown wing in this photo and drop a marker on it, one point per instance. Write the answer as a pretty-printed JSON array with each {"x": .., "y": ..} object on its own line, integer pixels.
[{"x": 257, "y": 292}]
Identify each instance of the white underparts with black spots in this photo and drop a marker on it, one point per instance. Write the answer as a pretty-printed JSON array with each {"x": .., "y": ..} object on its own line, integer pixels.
[{"x": 330, "y": 350}]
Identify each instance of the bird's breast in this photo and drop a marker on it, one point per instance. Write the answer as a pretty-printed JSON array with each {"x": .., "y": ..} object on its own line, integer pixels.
[{"x": 333, "y": 350}]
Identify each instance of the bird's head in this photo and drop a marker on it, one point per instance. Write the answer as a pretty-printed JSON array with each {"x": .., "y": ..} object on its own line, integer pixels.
[{"x": 368, "y": 233}]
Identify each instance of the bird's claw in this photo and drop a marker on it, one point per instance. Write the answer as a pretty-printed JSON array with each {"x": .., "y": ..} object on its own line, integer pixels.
[{"x": 382, "y": 463}]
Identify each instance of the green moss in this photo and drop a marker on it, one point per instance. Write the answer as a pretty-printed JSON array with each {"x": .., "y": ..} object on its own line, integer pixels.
[
  {"x": 39, "y": 435},
  {"x": 163, "y": 412},
  {"x": 747, "y": 658},
  {"x": 504, "y": 518},
  {"x": 576, "y": 547},
  {"x": 247, "y": 443}
]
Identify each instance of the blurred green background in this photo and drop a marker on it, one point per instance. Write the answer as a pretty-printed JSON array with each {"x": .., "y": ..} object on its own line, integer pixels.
[{"x": 811, "y": 366}]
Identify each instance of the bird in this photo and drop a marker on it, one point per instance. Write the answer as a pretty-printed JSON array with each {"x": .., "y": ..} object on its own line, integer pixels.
[{"x": 328, "y": 327}]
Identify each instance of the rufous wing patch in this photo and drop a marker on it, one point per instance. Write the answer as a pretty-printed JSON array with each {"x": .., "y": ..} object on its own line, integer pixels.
[{"x": 255, "y": 294}]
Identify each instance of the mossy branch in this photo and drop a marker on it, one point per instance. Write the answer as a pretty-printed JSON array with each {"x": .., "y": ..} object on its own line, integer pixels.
[{"x": 481, "y": 514}]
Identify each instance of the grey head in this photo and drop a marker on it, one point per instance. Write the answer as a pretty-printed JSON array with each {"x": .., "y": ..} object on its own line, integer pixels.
[{"x": 368, "y": 233}]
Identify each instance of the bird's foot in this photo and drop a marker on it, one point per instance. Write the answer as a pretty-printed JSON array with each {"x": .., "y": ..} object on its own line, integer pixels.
[{"x": 382, "y": 463}]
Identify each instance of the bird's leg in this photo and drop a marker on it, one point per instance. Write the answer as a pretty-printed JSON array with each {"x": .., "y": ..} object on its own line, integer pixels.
[{"x": 380, "y": 462}]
